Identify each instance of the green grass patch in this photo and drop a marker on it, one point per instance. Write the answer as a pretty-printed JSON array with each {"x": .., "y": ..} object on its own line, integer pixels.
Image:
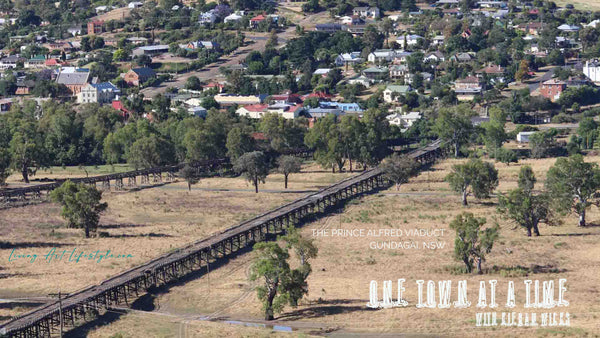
[{"x": 559, "y": 245}]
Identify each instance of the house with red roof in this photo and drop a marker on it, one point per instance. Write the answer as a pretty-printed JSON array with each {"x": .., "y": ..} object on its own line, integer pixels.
[
  {"x": 322, "y": 96},
  {"x": 53, "y": 63},
  {"x": 255, "y": 21},
  {"x": 494, "y": 72},
  {"x": 213, "y": 85},
  {"x": 259, "y": 136},
  {"x": 118, "y": 105},
  {"x": 532, "y": 28}
]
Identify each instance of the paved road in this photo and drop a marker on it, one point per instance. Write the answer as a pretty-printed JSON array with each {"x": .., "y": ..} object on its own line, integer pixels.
[
  {"x": 547, "y": 76},
  {"x": 211, "y": 72}
]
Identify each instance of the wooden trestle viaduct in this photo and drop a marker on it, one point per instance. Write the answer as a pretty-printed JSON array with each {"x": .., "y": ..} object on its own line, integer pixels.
[
  {"x": 129, "y": 179},
  {"x": 125, "y": 287},
  {"x": 120, "y": 181}
]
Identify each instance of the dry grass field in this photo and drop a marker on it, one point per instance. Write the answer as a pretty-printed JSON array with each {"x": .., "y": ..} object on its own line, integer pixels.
[
  {"x": 143, "y": 223},
  {"x": 339, "y": 284},
  {"x": 115, "y": 14},
  {"x": 580, "y": 4},
  {"x": 150, "y": 325}
]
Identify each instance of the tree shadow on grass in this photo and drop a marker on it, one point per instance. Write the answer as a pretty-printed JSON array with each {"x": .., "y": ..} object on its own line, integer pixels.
[
  {"x": 339, "y": 301},
  {"x": 322, "y": 311},
  {"x": 21, "y": 304},
  {"x": 84, "y": 329},
  {"x": 155, "y": 185},
  {"x": 121, "y": 226},
  {"x": 24, "y": 245},
  {"x": 152, "y": 234},
  {"x": 143, "y": 303},
  {"x": 575, "y": 234},
  {"x": 487, "y": 203},
  {"x": 521, "y": 271}
]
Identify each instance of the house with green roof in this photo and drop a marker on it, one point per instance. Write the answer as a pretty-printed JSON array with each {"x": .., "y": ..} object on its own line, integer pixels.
[
  {"x": 37, "y": 61},
  {"x": 376, "y": 73},
  {"x": 388, "y": 93}
]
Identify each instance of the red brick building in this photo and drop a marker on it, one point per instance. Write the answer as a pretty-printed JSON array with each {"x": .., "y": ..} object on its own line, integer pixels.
[
  {"x": 95, "y": 27},
  {"x": 552, "y": 89},
  {"x": 137, "y": 76}
]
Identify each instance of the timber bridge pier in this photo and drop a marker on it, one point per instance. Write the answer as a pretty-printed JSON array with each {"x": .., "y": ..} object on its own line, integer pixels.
[{"x": 46, "y": 321}]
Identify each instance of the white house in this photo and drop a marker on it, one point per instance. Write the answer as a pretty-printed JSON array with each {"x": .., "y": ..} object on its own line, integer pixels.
[
  {"x": 381, "y": 55},
  {"x": 253, "y": 111},
  {"x": 438, "y": 40},
  {"x": 362, "y": 80},
  {"x": 207, "y": 18},
  {"x": 568, "y": 28},
  {"x": 436, "y": 56},
  {"x": 593, "y": 24},
  {"x": 256, "y": 111},
  {"x": 523, "y": 137},
  {"x": 404, "y": 121},
  {"x": 592, "y": 70},
  {"x": 348, "y": 59},
  {"x": 234, "y": 17},
  {"x": 345, "y": 20},
  {"x": 9, "y": 62},
  {"x": 100, "y": 93},
  {"x": 322, "y": 71},
  {"x": 135, "y": 4},
  {"x": 101, "y": 9},
  {"x": 390, "y": 90},
  {"x": 75, "y": 30},
  {"x": 411, "y": 40},
  {"x": 367, "y": 12},
  {"x": 10, "y": 21}
]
